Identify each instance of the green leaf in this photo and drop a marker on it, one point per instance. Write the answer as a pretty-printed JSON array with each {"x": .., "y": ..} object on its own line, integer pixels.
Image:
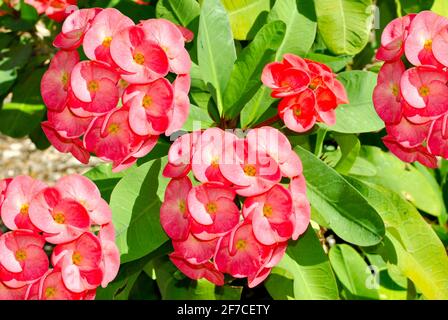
[
  {"x": 347, "y": 212},
  {"x": 415, "y": 6},
  {"x": 198, "y": 118},
  {"x": 175, "y": 286},
  {"x": 420, "y": 189},
  {"x": 301, "y": 26},
  {"x": 216, "y": 50},
  {"x": 359, "y": 115},
  {"x": 180, "y": 12},
  {"x": 280, "y": 284},
  {"x": 440, "y": 7},
  {"x": 12, "y": 60},
  {"x": 350, "y": 147},
  {"x": 24, "y": 114},
  {"x": 256, "y": 107},
  {"x": 245, "y": 78},
  {"x": 306, "y": 262},
  {"x": 105, "y": 179},
  {"x": 335, "y": 63},
  {"x": 344, "y": 24},
  {"x": 419, "y": 253},
  {"x": 353, "y": 272},
  {"x": 28, "y": 12},
  {"x": 246, "y": 16},
  {"x": 135, "y": 204}
]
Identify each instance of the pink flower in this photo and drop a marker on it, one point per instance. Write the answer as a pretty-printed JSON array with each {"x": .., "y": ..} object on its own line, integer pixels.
[
  {"x": 52, "y": 287},
  {"x": 425, "y": 88},
  {"x": 194, "y": 250},
  {"x": 301, "y": 206},
  {"x": 202, "y": 271},
  {"x": 56, "y": 80},
  {"x": 271, "y": 215},
  {"x": 84, "y": 191},
  {"x": 387, "y": 95},
  {"x": 94, "y": 87},
  {"x": 180, "y": 155},
  {"x": 111, "y": 138},
  {"x": 110, "y": 262},
  {"x": 440, "y": 46},
  {"x": 210, "y": 151},
  {"x": 181, "y": 104},
  {"x": 409, "y": 134},
  {"x": 58, "y": 10},
  {"x": 284, "y": 79},
  {"x": 419, "y": 44},
  {"x": 4, "y": 183},
  {"x": 174, "y": 215},
  {"x": 98, "y": 38},
  {"x": 240, "y": 254},
  {"x": 23, "y": 257},
  {"x": 61, "y": 219},
  {"x": 253, "y": 172},
  {"x": 65, "y": 145},
  {"x": 80, "y": 262},
  {"x": 142, "y": 59},
  {"x": 411, "y": 154},
  {"x": 67, "y": 124},
  {"x": 298, "y": 112},
  {"x": 438, "y": 137},
  {"x": 393, "y": 39},
  {"x": 277, "y": 254},
  {"x": 18, "y": 197},
  {"x": 7, "y": 293},
  {"x": 149, "y": 106},
  {"x": 168, "y": 36},
  {"x": 277, "y": 146},
  {"x": 212, "y": 210},
  {"x": 74, "y": 28}
]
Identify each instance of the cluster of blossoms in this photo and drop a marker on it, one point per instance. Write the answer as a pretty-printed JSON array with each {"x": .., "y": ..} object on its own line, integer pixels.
[
  {"x": 237, "y": 217},
  {"x": 56, "y": 10},
  {"x": 60, "y": 242},
  {"x": 414, "y": 102},
  {"x": 116, "y": 104},
  {"x": 309, "y": 91}
]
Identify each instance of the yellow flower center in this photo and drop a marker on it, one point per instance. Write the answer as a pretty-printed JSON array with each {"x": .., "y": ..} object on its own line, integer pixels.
[
  {"x": 50, "y": 292},
  {"x": 113, "y": 128},
  {"x": 139, "y": 58},
  {"x": 428, "y": 45},
  {"x": 297, "y": 112},
  {"x": 24, "y": 209},
  {"x": 182, "y": 206},
  {"x": 215, "y": 162},
  {"x": 122, "y": 83},
  {"x": 59, "y": 218},
  {"x": 395, "y": 90},
  {"x": 107, "y": 41},
  {"x": 267, "y": 210},
  {"x": 77, "y": 258},
  {"x": 20, "y": 255},
  {"x": 250, "y": 170},
  {"x": 93, "y": 86},
  {"x": 64, "y": 79},
  {"x": 147, "y": 101},
  {"x": 241, "y": 244},
  {"x": 211, "y": 208},
  {"x": 316, "y": 82},
  {"x": 424, "y": 91}
]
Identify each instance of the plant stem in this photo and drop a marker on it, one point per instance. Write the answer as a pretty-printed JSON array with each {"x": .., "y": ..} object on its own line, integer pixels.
[{"x": 268, "y": 122}]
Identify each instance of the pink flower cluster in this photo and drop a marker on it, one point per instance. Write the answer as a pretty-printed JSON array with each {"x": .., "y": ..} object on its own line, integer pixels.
[
  {"x": 56, "y": 10},
  {"x": 71, "y": 224},
  {"x": 237, "y": 217},
  {"x": 116, "y": 104},
  {"x": 309, "y": 91},
  {"x": 414, "y": 102}
]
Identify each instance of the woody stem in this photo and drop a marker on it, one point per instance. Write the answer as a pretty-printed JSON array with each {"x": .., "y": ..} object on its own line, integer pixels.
[{"x": 268, "y": 122}]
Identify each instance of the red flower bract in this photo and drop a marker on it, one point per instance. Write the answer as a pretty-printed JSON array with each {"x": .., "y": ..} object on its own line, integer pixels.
[
  {"x": 413, "y": 103},
  {"x": 309, "y": 90},
  {"x": 67, "y": 215},
  {"x": 116, "y": 104},
  {"x": 211, "y": 235}
]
